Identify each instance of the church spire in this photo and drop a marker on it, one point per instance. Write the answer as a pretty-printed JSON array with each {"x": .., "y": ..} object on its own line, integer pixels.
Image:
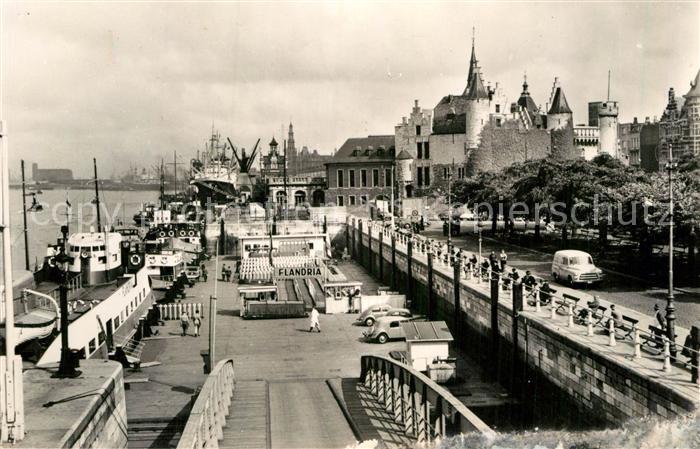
[{"x": 472, "y": 63}]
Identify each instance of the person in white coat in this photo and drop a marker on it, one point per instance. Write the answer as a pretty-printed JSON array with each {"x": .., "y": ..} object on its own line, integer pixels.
[{"x": 313, "y": 323}]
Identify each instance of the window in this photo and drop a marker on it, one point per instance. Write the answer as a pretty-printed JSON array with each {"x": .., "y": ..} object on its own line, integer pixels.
[
  {"x": 395, "y": 324},
  {"x": 419, "y": 177},
  {"x": 375, "y": 177},
  {"x": 363, "y": 199},
  {"x": 445, "y": 172},
  {"x": 341, "y": 201},
  {"x": 387, "y": 177},
  {"x": 351, "y": 200},
  {"x": 498, "y": 122},
  {"x": 340, "y": 178},
  {"x": 100, "y": 338},
  {"x": 498, "y": 108},
  {"x": 355, "y": 152},
  {"x": 426, "y": 176},
  {"x": 116, "y": 322},
  {"x": 461, "y": 172},
  {"x": 418, "y": 130},
  {"x": 91, "y": 346},
  {"x": 351, "y": 177},
  {"x": 419, "y": 148},
  {"x": 363, "y": 177},
  {"x": 426, "y": 150}
]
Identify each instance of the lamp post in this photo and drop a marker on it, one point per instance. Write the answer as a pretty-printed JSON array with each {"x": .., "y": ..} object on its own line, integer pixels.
[
  {"x": 670, "y": 306},
  {"x": 66, "y": 368},
  {"x": 393, "y": 167},
  {"x": 449, "y": 209}
]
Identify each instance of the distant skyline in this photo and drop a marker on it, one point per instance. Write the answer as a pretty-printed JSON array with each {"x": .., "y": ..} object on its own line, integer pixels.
[{"x": 130, "y": 83}]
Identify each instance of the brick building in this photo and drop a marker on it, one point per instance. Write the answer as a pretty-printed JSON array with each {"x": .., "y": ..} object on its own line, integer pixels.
[
  {"x": 361, "y": 171},
  {"x": 51, "y": 174},
  {"x": 629, "y": 135}
]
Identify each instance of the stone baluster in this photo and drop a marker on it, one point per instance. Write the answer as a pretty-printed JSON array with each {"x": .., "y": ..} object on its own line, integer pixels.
[
  {"x": 589, "y": 323},
  {"x": 571, "y": 316},
  {"x": 637, "y": 344},
  {"x": 611, "y": 332},
  {"x": 536, "y": 294},
  {"x": 552, "y": 307},
  {"x": 667, "y": 355}
]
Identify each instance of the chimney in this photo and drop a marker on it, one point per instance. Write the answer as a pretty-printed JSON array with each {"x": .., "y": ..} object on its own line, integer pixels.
[
  {"x": 634, "y": 121},
  {"x": 646, "y": 120}
]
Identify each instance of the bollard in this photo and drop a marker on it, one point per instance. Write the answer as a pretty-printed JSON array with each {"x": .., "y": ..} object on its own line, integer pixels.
[
  {"x": 637, "y": 345},
  {"x": 571, "y": 316},
  {"x": 694, "y": 356},
  {"x": 667, "y": 355},
  {"x": 537, "y": 301},
  {"x": 611, "y": 332},
  {"x": 589, "y": 323},
  {"x": 552, "y": 308}
]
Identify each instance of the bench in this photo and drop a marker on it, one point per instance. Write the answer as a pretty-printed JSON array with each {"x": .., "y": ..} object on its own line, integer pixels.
[
  {"x": 599, "y": 315},
  {"x": 653, "y": 342},
  {"x": 627, "y": 325},
  {"x": 564, "y": 303}
]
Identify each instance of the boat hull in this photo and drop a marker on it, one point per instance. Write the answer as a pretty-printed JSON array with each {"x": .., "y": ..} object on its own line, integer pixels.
[{"x": 213, "y": 191}]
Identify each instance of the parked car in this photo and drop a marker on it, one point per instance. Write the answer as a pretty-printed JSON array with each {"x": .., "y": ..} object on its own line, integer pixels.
[
  {"x": 388, "y": 328},
  {"x": 575, "y": 267},
  {"x": 193, "y": 273},
  {"x": 370, "y": 315}
]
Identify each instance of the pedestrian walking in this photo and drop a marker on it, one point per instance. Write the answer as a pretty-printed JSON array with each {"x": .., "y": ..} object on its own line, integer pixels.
[
  {"x": 660, "y": 317},
  {"x": 504, "y": 260},
  {"x": 493, "y": 261},
  {"x": 314, "y": 323},
  {"x": 203, "y": 271},
  {"x": 197, "y": 323},
  {"x": 184, "y": 322}
]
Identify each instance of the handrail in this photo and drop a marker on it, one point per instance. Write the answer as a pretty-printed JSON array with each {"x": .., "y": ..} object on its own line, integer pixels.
[
  {"x": 450, "y": 405},
  {"x": 204, "y": 427},
  {"x": 47, "y": 297}
]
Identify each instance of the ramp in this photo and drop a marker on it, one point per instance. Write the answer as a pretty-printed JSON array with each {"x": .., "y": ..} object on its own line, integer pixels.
[
  {"x": 304, "y": 414},
  {"x": 248, "y": 424}
]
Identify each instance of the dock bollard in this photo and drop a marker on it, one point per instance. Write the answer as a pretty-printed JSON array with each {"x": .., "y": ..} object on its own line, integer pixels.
[
  {"x": 552, "y": 308},
  {"x": 667, "y": 355},
  {"x": 611, "y": 332},
  {"x": 571, "y": 316},
  {"x": 589, "y": 323},
  {"x": 637, "y": 345}
]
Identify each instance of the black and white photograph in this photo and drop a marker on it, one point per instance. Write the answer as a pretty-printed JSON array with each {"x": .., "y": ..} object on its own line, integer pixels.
[{"x": 349, "y": 224}]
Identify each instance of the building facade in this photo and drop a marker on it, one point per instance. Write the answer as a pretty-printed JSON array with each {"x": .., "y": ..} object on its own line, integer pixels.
[
  {"x": 361, "y": 171},
  {"x": 679, "y": 126},
  {"x": 629, "y": 137},
  {"x": 413, "y": 135}
]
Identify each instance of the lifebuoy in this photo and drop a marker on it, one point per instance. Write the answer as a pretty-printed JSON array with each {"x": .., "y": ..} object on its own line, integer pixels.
[
  {"x": 171, "y": 233},
  {"x": 161, "y": 234},
  {"x": 182, "y": 233},
  {"x": 135, "y": 259},
  {"x": 84, "y": 254},
  {"x": 52, "y": 261},
  {"x": 190, "y": 233}
]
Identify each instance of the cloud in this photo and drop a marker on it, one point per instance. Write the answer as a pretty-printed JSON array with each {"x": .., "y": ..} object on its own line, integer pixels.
[{"x": 130, "y": 83}]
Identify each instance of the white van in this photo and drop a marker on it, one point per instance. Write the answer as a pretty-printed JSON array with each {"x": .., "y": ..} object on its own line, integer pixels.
[{"x": 575, "y": 267}]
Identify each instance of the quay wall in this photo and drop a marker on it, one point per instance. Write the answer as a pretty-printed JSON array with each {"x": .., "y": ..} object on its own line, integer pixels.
[
  {"x": 88, "y": 411},
  {"x": 522, "y": 351}
]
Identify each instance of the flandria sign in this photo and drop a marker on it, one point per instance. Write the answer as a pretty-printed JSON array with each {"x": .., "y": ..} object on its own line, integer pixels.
[{"x": 297, "y": 272}]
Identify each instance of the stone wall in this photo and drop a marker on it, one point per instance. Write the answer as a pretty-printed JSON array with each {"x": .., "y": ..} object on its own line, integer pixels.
[
  {"x": 503, "y": 146},
  {"x": 525, "y": 353}
]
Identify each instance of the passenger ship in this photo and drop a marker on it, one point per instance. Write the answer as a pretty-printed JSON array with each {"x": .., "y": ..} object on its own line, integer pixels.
[
  {"x": 214, "y": 175},
  {"x": 108, "y": 291}
]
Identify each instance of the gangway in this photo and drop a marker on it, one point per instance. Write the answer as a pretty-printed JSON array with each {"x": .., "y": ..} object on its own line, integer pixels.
[{"x": 390, "y": 402}]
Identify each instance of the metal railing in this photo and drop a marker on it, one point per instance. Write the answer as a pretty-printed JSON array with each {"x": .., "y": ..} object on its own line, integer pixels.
[
  {"x": 204, "y": 427},
  {"x": 474, "y": 270},
  {"x": 426, "y": 410}
]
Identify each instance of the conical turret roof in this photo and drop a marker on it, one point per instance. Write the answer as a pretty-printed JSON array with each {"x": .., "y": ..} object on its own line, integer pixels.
[
  {"x": 559, "y": 103},
  {"x": 525, "y": 101},
  {"x": 475, "y": 89},
  {"x": 403, "y": 155},
  {"x": 273, "y": 142},
  {"x": 694, "y": 87}
]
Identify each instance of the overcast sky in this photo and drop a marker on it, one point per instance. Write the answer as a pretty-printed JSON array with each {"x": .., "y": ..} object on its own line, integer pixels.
[{"x": 132, "y": 82}]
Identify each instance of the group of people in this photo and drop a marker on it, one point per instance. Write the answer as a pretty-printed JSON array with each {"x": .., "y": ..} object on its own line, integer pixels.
[
  {"x": 185, "y": 323},
  {"x": 226, "y": 273}
]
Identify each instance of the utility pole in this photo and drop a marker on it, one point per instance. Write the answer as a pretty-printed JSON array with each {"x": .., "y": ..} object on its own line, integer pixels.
[
  {"x": 24, "y": 215},
  {"x": 393, "y": 176},
  {"x": 12, "y": 418}
]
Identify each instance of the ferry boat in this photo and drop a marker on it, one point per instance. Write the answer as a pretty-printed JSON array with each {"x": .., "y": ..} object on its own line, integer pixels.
[{"x": 107, "y": 294}]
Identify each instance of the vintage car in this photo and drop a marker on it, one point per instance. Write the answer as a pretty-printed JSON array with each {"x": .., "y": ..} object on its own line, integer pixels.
[{"x": 575, "y": 267}]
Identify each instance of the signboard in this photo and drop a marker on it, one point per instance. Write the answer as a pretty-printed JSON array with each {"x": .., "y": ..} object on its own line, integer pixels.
[{"x": 298, "y": 272}]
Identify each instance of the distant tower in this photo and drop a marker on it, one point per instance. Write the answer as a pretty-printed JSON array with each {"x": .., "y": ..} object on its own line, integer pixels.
[
  {"x": 607, "y": 113},
  {"x": 292, "y": 150},
  {"x": 559, "y": 114},
  {"x": 404, "y": 175},
  {"x": 692, "y": 111}
]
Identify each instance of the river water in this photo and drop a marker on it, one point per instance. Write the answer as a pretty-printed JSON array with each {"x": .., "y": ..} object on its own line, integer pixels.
[{"x": 44, "y": 227}]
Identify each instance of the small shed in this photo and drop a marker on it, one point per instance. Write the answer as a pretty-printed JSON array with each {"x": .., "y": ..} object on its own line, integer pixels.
[{"x": 426, "y": 342}]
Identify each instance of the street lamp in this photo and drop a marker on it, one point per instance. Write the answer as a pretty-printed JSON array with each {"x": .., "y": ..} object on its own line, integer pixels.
[
  {"x": 66, "y": 368},
  {"x": 670, "y": 306}
]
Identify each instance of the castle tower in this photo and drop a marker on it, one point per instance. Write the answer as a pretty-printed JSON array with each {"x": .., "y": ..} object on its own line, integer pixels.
[
  {"x": 473, "y": 67},
  {"x": 477, "y": 106},
  {"x": 692, "y": 111},
  {"x": 559, "y": 114},
  {"x": 607, "y": 125},
  {"x": 404, "y": 173}
]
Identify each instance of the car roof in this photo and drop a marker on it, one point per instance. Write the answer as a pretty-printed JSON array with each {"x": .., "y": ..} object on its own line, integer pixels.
[
  {"x": 396, "y": 309},
  {"x": 571, "y": 252},
  {"x": 386, "y": 319}
]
